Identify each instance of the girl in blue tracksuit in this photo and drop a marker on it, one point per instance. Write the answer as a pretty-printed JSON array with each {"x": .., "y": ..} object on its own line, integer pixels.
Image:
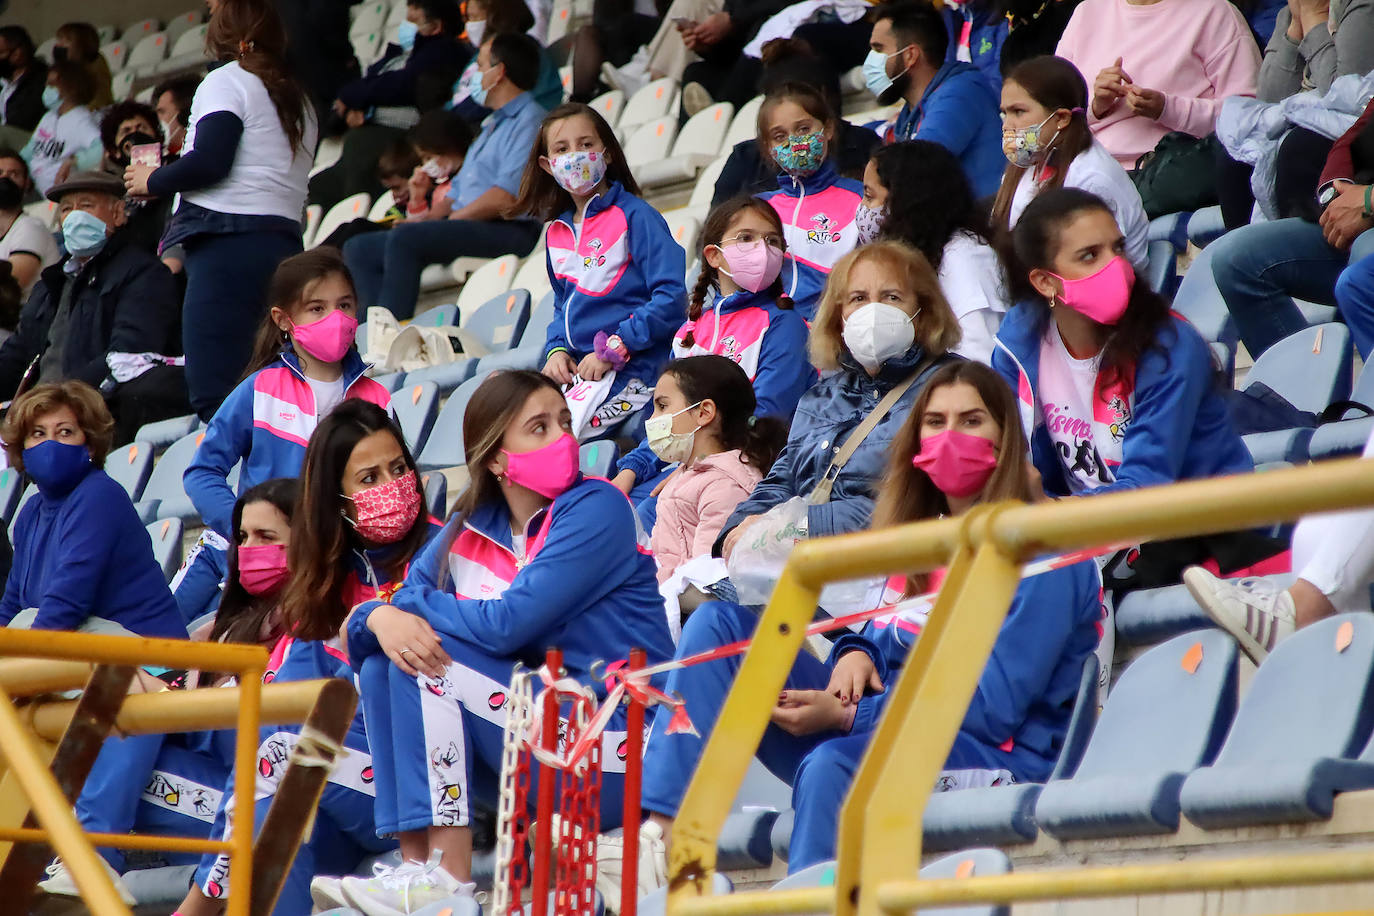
[
  {"x": 361, "y": 521},
  {"x": 751, "y": 322},
  {"x": 510, "y": 578},
  {"x": 960, "y": 445},
  {"x": 616, "y": 272},
  {"x": 816, "y": 205},
  {"x": 1115, "y": 392},
  {"x": 304, "y": 364}
]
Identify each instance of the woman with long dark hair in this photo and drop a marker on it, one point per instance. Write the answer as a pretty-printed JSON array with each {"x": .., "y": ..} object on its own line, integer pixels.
[{"x": 243, "y": 181}]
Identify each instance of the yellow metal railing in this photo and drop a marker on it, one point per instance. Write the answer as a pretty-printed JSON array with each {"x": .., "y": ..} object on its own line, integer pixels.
[
  {"x": 26, "y": 736},
  {"x": 879, "y": 840}
]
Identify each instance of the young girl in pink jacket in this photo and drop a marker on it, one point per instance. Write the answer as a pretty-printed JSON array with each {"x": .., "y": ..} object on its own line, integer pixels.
[{"x": 704, "y": 418}]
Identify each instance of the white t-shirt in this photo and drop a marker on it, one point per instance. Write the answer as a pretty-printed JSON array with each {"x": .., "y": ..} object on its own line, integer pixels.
[
  {"x": 268, "y": 178},
  {"x": 328, "y": 395},
  {"x": 57, "y": 137},
  {"x": 1095, "y": 171},
  {"x": 1065, "y": 399},
  {"x": 29, "y": 236},
  {"x": 972, "y": 280}
]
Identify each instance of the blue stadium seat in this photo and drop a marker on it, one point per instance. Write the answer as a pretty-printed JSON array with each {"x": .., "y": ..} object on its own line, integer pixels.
[
  {"x": 1171, "y": 228},
  {"x": 11, "y": 486},
  {"x": 966, "y": 864},
  {"x": 1199, "y": 301},
  {"x": 165, "y": 488},
  {"x": 598, "y": 458},
  {"x": 745, "y": 840},
  {"x": 530, "y": 352},
  {"x": 28, "y": 494},
  {"x": 1166, "y": 716},
  {"x": 166, "y": 535},
  {"x": 497, "y": 323},
  {"x": 436, "y": 493},
  {"x": 436, "y": 317},
  {"x": 444, "y": 448},
  {"x": 1347, "y": 434},
  {"x": 416, "y": 406},
  {"x": 1206, "y": 226},
  {"x": 1162, "y": 272},
  {"x": 1309, "y": 369},
  {"x": 1004, "y": 815},
  {"x": 781, "y": 835},
  {"x": 130, "y": 466},
  {"x": 164, "y": 432},
  {"x": 1151, "y": 615},
  {"x": 1305, "y": 717},
  {"x": 391, "y": 381}
]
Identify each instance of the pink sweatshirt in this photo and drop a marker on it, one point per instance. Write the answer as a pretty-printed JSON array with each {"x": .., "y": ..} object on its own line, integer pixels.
[
  {"x": 694, "y": 505},
  {"x": 1196, "y": 52}
]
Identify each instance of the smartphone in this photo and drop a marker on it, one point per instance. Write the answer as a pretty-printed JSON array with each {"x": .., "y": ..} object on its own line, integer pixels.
[
  {"x": 682, "y": 23},
  {"x": 146, "y": 154}
]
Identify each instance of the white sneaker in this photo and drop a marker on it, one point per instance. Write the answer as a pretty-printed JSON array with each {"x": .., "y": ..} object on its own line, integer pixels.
[
  {"x": 629, "y": 79},
  {"x": 327, "y": 893},
  {"x": 404, "y": 889},
  {"x": 1255, "y": 611},
  {"x": 695, "y": 98},
  {"x": 653, "y": 863},
  {"x": 59, "y": 882}
]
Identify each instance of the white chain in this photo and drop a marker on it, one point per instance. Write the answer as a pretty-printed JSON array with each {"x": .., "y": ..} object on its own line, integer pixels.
[{"x": 519, "y": 714}]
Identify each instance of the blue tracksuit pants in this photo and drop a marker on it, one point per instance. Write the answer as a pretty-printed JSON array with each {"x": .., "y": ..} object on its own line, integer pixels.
[
  {"x": 344, "y": 831},
  {"x": 196, "y": 586},
  {"x": 436, "y": 745}
]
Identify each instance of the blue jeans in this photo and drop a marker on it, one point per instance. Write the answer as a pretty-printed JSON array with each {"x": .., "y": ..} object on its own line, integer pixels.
[
  {"x": 1260, "y": 268},
  {"x": 386, "y": 266},
  {"x": 1355, "y": 295}
]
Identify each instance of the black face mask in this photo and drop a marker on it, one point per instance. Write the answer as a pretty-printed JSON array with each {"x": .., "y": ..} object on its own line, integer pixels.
[
  {"x": 11, "y": 195},
  {"x": 59, "y": 54},
  {"x": 6, "y": 68}
]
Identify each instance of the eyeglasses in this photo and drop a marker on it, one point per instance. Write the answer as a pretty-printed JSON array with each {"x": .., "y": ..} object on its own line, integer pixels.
[{"x": 746, "y": 237}]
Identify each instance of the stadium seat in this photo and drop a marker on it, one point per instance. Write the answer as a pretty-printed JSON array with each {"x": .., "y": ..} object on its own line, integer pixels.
[
  {"x": 1309, "y": 369},
  {"x": 346, "y": 210},
  {"x": 180, "y": 25},
  {"x": 164, "y": 432},
  {"x": 744, "y": 126},
  {"x": 136, "y": 32},
  {"x": 491, "y": 279},
  {"x": 1206, "y": 226},
  {"x": 963, "y": 864},
  {"x": 609, "y": 105},
  {"x": 327, "y": 154},
  {"x": 699, "y": 204},
  {"x": 45, "y": 211},
  {"x": 11, "y": 486},
  {"x": 533, "y": 276},
  {"x": 435, "y": 486},
  {"x": 115, "y": 53},
  {"x": 529, "y": 354},
  {"x": 1307, "y": 714},
  {"x": 366, "y": 47},
  {"x": 314, "y": 215},
  {"x": 1162, "y": 272},
  {"x": 1316, "y": 313},
  {"x": 164, "y": 485},
  {"x": 1004, "y": 815},
  {"x": 187, "y": 51},
  {"x": 122, "y": 85},
  {"x": 384, "y": 202},
  {"x": 369, "y": 17},
  {"x": 131, "y": 465},
  {"x": 684, "y": 228},
  {"x": 1171, "y": 228},
  {"x": 1347, "y": 434},
  {"x": 44, "y": 50},
  {"x": 145, "y": 56},
  {"x": 438, "y": 316},
  {"x": 598, "y": 459},
  {"x": 698, "y": 144},
  {"x": 656, "y": 902},
  {"x": 444, "y": 449},
  {"x": 651, "y": 101},
  {"x": 560, "y": 21},
  {"x": 416, "y": 407},
  {"x": 166, "y": 535},
  {"x": 28, "y": 494},
  {"x": 650, "y": 142},
  {"x": 1165, "y": 717},
  {"x": 1199, "y": 301}
]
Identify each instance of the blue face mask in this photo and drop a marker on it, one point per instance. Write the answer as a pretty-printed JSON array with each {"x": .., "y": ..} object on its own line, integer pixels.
[
  {"x": 405, "y": 34},
  {"x": 57, "y": 467},
  {"x": 51, "y": 97},
  {"x": 83, "y": 233},
  {"x": 479, "y": 92}
]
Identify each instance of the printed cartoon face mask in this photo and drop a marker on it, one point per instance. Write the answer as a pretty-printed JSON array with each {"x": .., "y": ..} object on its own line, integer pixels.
[
  {"x": 801, "y": 155},
  {"x": 578, "y": 172},
  {"x": 1026, "y": 146},
  {"x": 869, "y": 221}
]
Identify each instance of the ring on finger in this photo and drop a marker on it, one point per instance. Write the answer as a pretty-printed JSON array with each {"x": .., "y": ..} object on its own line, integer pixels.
[{"x": 404, "y": 651}]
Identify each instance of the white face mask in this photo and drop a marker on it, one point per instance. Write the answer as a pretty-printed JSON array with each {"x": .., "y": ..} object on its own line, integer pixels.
[
  {"x": 667, "y": 445},
  {"x": 476, "y": 29},
  {"x": 876, "y": 332}
]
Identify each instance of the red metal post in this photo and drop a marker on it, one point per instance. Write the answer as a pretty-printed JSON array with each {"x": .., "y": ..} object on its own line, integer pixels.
[
  {"x": 634, "y": 767},
  {"x": 543, "y": 843}
]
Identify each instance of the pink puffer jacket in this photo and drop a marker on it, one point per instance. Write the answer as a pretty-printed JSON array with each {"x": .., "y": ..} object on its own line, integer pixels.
[{"x": 694, "y": 504}]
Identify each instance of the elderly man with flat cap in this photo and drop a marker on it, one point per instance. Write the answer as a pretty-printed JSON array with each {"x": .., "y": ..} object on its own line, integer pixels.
[{"x": 108, "y": 314}]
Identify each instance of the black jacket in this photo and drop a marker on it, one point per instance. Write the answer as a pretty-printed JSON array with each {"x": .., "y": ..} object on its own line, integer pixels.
[
  {"x": 125, "y": 302},
  {"x": 435, "y": 58},
  {"x": 745, "y": 172},
  {"x": 318, "y": 52},
  {"x": 25, "y": 106}
]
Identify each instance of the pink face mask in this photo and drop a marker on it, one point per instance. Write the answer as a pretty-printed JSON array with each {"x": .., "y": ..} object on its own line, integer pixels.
[
  {"x": 262, "y": 569},
  {"x": 753, "y": 265},
  {"x": 1103, "y": 296},
  {"x": 957, "y": 463},
  {"x": 547, "y": 471},
  {"x": 329, "y": 338},
  {"x": 386, "y": 512}
]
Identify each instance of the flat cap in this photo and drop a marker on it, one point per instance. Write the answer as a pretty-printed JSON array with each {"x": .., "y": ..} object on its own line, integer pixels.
[{"x": 103, "y": 182}]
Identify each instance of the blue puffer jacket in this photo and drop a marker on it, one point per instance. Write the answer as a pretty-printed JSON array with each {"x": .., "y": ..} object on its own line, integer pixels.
[{"x": 825, "y": 416}]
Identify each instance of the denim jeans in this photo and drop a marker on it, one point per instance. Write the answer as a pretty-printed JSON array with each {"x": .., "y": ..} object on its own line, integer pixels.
[
  {"x": 1262, "y": 267},
  {"x": 386, "y": 266}
]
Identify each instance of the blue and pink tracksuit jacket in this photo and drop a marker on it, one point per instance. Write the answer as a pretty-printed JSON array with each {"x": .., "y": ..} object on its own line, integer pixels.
[
  {"x": 817, "y": 215},
  {"x": 1170, "y": 413},
  {"x": 265, "y": 422},
  {"x": 620, "y": 272},
  {"x": 768, "y": 343}
]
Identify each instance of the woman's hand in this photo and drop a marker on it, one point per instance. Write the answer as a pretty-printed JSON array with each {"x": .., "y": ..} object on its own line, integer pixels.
[
  {"x": 136, "y": 179},
  {"x": 1343, "y": 219},
  {"x": 733, "y": 537},
  {"x": 1148, "y": 103},
  {"x": 560, "y": 367},
  {"x": 592, "y": 368},
  {"x": 409, "y": 641},
  {"x": 624, "y": 481},
  {"x": 806, "y": 712},
  {"x": 854, "y": 673},
  {"x": 1109, "y": 88},
  {"x": 711, "y": 31}
]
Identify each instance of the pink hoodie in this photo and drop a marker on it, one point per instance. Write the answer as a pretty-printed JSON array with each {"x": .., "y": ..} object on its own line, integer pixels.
[
  {"x": 1196, "y": 52},
  {"x": 694, "y": 505}
]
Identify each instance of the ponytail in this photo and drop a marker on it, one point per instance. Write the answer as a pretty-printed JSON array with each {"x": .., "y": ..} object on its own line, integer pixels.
[
  {"x": 721, "y": 380},
  {"x": 705, "y": 280},
  {"x": 760, "y": 441}
]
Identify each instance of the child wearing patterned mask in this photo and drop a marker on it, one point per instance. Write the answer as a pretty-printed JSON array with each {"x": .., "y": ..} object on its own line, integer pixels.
[{"x": 617, "y": 274}]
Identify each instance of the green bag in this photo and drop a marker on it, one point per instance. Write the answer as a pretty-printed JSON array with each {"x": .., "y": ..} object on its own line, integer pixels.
[{"x": 1178, "y": 175}]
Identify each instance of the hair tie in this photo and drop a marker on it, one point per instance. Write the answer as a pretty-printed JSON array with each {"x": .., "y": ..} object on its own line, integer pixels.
[
  {"x": 752, "y": 420},
  {"x": 245, "y": 47},
  {"x": 1074, "y": 111}
]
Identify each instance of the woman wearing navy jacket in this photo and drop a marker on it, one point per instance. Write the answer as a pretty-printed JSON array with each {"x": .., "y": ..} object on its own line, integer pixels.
[
  {"x": 510, "y": 578},
  {"x": 1115, "y": 392},
  {"x": 616, "y": 272},
  {"x": 82, "y": 558},
  {"x": 960, "y": 445},
  {"x": 359, "y": 524}
]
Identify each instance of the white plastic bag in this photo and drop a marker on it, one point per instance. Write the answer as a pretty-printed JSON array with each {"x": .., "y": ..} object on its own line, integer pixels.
[{"x": 758, "y": 557}]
